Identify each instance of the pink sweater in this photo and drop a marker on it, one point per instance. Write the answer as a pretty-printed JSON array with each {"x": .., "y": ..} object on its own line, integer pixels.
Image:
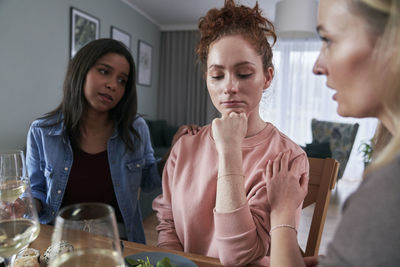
[{"x": 186, "y": 209}]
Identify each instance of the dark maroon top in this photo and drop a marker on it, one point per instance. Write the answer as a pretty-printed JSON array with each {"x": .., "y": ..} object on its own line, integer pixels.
[{"x": 90, "y": 181}]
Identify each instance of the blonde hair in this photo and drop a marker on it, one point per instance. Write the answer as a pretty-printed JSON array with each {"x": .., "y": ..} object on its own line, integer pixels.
[
  {"x": 386, "y": 144},
  {"x": 383, "y": 6}
]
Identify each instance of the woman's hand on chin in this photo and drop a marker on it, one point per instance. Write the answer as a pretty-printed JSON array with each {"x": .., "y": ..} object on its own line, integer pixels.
[{"x": 229, "y": 131}]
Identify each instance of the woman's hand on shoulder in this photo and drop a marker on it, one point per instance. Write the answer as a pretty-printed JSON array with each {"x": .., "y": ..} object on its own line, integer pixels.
[
  {"x": 285, "y": 186},
  {"x": 229, "y": 131},
  {"x": 191, "y": 129}
]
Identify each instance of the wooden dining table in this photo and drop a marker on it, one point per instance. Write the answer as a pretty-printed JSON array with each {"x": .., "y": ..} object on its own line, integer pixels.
[{"x": 43, "y": 241}]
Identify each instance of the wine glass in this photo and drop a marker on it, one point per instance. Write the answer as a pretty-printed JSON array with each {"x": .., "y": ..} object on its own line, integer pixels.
[
  {"x": 91, "y": 229},
  {"x": 19, "y": 224}
]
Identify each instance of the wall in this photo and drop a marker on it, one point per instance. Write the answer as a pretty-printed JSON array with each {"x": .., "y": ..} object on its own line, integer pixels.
[{"x": 34, "y": 52}]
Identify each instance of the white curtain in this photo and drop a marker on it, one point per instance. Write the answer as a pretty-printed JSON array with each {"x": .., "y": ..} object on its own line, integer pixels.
[{"x": 297, "y": 95}]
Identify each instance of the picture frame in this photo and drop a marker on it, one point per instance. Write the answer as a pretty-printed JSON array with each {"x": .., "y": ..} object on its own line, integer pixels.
[
  {"x": 145, "y": 58},
  {"x": 120, "y": 35},
  {"x": 84, "y": 29}
]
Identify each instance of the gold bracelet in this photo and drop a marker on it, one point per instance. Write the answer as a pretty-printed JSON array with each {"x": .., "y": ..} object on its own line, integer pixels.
[
  {"x": 230, "y": 174},
  {"x": 282, "y": 226}
]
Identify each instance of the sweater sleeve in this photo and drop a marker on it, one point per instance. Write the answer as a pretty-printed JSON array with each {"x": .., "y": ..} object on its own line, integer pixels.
[
  {"x": 167, "y": 236},
  {"x": 368, "y": 234},
  {"x": 304, "y": 170},
  {"x": 243, "y": 234}
]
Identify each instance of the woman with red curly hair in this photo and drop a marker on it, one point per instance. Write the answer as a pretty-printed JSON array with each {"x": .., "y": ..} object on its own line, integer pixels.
[{"x": 214, "y": 199}]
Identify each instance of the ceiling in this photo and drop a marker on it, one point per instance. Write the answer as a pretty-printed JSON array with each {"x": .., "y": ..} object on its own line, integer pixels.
[{"x": 184, "y": 14}]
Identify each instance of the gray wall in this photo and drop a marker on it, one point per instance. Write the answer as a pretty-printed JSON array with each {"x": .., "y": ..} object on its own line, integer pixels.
[{"x": 34, "y": 52}]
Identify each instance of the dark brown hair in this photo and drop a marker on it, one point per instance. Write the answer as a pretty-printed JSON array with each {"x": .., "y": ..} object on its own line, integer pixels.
[
  {"x": 74, "y": 103},
  {"x": 236, "y": 19}
]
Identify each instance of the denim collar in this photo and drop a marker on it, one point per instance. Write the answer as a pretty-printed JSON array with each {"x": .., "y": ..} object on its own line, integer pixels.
[{"x": 58, "y": 128}]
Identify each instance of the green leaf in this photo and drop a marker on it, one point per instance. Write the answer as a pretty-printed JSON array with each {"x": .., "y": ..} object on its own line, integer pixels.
[
  {"x": 139, "y": 262},
  {"x": 166, "y": 262},
  {"x": 132, "y": 262}
]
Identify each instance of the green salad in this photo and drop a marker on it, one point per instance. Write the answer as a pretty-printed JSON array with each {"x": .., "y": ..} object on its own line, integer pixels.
[{"x": 166, "y": 262}]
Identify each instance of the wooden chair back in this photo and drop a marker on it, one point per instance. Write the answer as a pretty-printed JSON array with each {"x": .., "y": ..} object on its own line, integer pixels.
[{"x": 323, "y": 175}]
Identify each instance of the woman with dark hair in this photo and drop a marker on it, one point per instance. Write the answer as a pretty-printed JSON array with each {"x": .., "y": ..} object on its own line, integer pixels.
[
  {"x": 214, "y": 198},
  {"x": 94, "y": 147}
]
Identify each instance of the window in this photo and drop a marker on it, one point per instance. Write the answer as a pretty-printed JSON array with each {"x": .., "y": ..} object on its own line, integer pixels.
[{"x": 296, "y": 96}]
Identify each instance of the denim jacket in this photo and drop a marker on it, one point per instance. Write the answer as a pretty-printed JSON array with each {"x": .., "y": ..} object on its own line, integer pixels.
[{"x": 49, "y": 160}]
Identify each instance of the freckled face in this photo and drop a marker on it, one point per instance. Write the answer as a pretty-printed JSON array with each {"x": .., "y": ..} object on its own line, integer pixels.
[
  {"x": 346, "y": 60},
  {"x": 105, "y": 82},
  {"x": 235, "y": 76}
]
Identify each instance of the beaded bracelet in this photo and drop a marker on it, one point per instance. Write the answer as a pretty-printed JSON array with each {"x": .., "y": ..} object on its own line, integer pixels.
[
  {"x": 282, "y": 226},
  {"x": 230, "y": 174}
]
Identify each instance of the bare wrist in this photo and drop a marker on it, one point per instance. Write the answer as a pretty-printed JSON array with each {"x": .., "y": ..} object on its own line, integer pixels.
[{"x": 283, "y": 216}]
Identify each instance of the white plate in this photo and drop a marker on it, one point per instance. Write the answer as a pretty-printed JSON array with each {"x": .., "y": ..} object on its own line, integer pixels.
[{"x": 179, "y": 261}]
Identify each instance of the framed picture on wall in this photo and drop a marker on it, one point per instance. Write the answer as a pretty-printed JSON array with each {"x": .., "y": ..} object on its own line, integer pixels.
[
  {"x": 84, "y": 28},
  {"x": 122, "y": 36},
  {"x": 144, "y": 63}
]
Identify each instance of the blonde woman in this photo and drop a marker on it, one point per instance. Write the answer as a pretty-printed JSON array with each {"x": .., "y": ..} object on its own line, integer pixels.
[{"x": 361, "y": 60}]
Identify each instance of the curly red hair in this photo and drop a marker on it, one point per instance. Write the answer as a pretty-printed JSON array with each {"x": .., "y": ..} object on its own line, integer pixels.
[{"x": 235, "y": 19}]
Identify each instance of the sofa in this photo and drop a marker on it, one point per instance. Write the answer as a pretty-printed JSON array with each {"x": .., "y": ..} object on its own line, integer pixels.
[
  {"x": 161, "y": 135},
  {"x": 339, "y": 136}
]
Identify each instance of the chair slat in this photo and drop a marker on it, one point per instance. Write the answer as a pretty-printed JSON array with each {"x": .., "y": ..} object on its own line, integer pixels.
[{"x": 323, "y": 175}]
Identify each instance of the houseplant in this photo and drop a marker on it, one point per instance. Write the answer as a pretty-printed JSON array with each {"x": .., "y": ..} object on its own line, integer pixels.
[{"x": 366, "y": 151}]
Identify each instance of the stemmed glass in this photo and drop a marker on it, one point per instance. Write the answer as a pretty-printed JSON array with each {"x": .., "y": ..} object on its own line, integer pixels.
[
  {"x": 19, "y": 224},
  {"x": 91, "y": 229}
]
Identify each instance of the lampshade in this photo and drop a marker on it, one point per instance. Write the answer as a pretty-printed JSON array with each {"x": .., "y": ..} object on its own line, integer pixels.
[{"x": 296, "y": 18}]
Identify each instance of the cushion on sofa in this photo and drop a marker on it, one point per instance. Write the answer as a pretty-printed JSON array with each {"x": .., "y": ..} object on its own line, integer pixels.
[
  {"x": 161, "y": 135},
  {"x": 156, "y": 128},
  {"x": 169, "y": 132},
  {"x": 318, "y": 150},
  {"x": 340, "y": 136}
]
